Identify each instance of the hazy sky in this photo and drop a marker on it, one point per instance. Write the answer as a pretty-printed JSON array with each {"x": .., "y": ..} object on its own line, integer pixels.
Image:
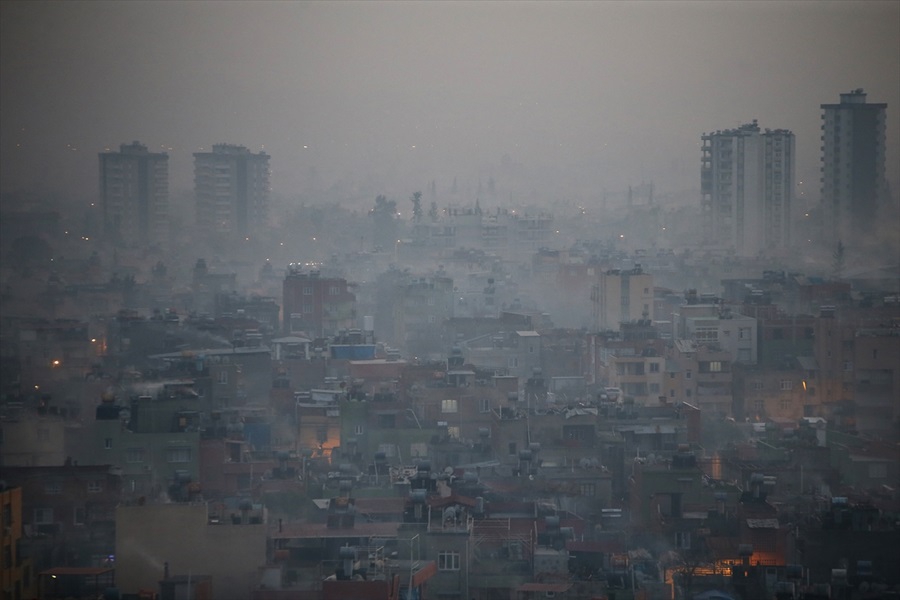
[{"x": 601, "y": 94}]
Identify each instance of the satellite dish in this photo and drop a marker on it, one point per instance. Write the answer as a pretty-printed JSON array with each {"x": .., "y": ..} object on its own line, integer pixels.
[
  {"x": 448, "y": 470},
  {"x": 531, "y": 477}
]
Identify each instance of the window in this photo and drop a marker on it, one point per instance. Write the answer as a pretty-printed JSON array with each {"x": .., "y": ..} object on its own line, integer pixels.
[
  {"x": 333, "y": 290},
  {"x": 785, "y": 404},
  {"x": 758, "y": 385},
  {"x": 654, "y": 367},
  {"x": 715, "y": 366},
  {"x": 512, "y": 362},
  {"x": 358, "y": 430},
  {"x": 178, "y": 455},
  {"x": 511, "y": 449},
  {"x": 43, "y": 516},
  {"x": 79, "y": 516},
  {"x": 223, "y": 377},
  {"x": 453, "y": 432},
  {"x": 307, "y": 290},
  {"x": 449, "y": 405},
  {"x": 390, "y": 450},
  {"x": 687, "y": 374},
  {"x": 307, "y": 309},
  {"x": 95, "y": 487},
  {"x": 787, "y": 385},
  {"x": 484, "y": 405},
  {"x": 107, "y": 444},
  {"x": 53, "y": 488},
  {"x": 587, "y": 489},
  {"x": 134, "y": 455},
  {"x": 743, "y": 333},
  {"x": 654, "y": 388},
  {"x": 683, "y": 540},
  {"x": 448, "y": 561},
  {"x": 706, "y": 334},
  {"x": 687, "y": 393},
  {"x": 848, "y": 365}
]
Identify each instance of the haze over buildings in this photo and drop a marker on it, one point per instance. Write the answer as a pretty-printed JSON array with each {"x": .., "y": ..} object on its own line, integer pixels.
[
  {"x": 468, "y": 306},
  {"x": 378, "y": 97}
]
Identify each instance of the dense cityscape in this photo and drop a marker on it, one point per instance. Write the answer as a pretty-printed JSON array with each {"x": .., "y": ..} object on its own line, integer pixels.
[{"x": 467, "y": 389}]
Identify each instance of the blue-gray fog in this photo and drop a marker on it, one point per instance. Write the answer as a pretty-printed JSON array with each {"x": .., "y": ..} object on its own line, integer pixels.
[{"x": 385, "y": 97}]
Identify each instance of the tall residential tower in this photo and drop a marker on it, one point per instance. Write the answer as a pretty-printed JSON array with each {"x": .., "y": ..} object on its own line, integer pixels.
[
  {"x": 134, "y": 194},
  {"x": 853, "y": 162},
  {"x": 232, "y": 189},
  {"x": 747, "y": 181}
]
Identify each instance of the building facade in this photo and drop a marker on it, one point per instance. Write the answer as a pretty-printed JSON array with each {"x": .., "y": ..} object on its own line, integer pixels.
[
  {"x": 621, "y": 297},
  {"x": 231, "y": 185},
  {"x": 853, "y": 162},
  {"x": 747, "y": 181},
  {"x": 315, "y": 305},
  {"x": 134, "y": 194}
]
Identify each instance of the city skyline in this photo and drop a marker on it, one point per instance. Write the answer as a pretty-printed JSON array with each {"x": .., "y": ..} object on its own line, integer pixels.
[{"x": 582, "y": 98}]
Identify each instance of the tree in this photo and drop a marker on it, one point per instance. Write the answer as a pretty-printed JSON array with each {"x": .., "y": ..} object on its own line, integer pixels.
[
  {"x": 433, "y": 211},
  {"x": 417, "y": 206}
]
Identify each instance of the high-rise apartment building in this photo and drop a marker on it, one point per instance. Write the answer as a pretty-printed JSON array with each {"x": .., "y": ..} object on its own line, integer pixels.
[
  {"x": 853, "y": 162},
  {"x": 134, "y": 194},
  {"x": 231, "y": 185},
  {"x": 747, "y": 181}
]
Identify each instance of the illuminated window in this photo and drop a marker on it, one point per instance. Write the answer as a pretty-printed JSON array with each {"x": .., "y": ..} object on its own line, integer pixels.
[{"x": 449, "y": 405}]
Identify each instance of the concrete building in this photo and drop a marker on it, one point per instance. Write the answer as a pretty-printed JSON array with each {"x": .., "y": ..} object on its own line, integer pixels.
[
  {"x": 315, "y": 305},
  {"x": 134, "y": 194},
  {"x": 150, "y": 543},
  {"x": 747, "y": 182},
  {"x": 699, "y": 375},
  {"x": 231, "y": 185},
  {"x": 711, "y": 324},
  {"x": 853, "y": 162},
  {"x": 622, "y": 296},
  {"x": 16, "y": 570}
]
